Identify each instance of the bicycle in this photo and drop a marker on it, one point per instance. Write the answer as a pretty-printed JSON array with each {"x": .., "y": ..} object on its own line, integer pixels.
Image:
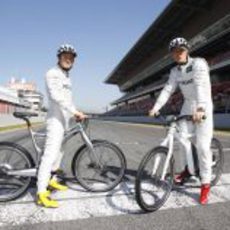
[
  {"x": 155, "y": 175},
  {"x": 98, "y": 165}
]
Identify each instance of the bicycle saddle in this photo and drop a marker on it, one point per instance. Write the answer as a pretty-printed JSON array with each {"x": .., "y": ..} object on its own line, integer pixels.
[{"x": 23, "y": 115}]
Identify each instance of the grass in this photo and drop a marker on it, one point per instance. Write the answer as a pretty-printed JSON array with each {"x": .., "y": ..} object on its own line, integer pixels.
[
  {"x": 222, "y": 131},
  {"x": 21, "y": 126}
]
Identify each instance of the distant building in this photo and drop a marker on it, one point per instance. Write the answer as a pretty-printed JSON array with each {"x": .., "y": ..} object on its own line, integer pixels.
[
  {"x": 27, "y": 91},
  {"x": 10, "y": 102}
]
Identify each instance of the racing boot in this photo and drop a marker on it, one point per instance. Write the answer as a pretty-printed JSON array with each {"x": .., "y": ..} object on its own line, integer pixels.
[
  {"x": 45, "y": 200},
  {"x": 204, "y": 193},
  {"x": 54, "y": 184}
]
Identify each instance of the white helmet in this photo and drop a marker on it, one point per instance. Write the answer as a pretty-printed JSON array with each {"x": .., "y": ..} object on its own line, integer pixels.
[
  {"x": 179, "y": 42},
  {"x": 66, "y": 48}
]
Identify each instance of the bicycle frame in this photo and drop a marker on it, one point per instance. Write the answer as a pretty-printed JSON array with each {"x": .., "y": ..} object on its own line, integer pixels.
[
  {"x": 32, "y": 172},
  {"x": 168, "y": 142}
]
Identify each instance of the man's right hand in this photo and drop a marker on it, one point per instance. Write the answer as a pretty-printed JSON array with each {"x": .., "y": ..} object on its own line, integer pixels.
[{"x": 79, "y": 116}]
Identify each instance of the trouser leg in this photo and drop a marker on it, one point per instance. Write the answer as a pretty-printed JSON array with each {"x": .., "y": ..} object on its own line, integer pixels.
[
  {"x": 58, "y": 161},
  {"x": 204, "y": 134},
  {"x": 57, "y": 164},
  {"x": 55, "y": 133},
  {"x": 186, "y": 128}
]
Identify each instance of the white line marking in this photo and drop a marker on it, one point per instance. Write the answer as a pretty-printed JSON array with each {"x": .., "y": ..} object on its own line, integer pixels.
[{"x": 78, "y": 204}]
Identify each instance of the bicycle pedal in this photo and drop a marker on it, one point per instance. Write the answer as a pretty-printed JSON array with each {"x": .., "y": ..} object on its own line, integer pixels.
[
  {"x": 193, "y": 180},
  {"x": 51, "y": 189}
]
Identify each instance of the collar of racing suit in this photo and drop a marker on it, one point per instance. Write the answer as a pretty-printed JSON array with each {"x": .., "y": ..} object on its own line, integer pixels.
[
  {"x": 186, "y": 64},
  {"x": 66, "y": 72}
]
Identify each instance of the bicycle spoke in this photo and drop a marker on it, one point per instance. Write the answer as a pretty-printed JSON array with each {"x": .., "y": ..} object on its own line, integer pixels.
[
  {"x": 12, "y": 186},
  {"x": 151, "y": 191},
  {"x": 17, "y": 163},
  {"x": 103, "y": 173},
  {"x": 7, "y": 157}
]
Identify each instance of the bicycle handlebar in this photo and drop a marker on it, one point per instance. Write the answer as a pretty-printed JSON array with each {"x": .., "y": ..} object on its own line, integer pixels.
[
  {"x": 84, "y": 123},
  {"x": 179, "y": 118},
  {"x": 187, "y": 117}
]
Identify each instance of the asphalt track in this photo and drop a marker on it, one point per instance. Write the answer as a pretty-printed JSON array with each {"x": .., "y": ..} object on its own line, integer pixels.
[{"x": 117, "y": 209}]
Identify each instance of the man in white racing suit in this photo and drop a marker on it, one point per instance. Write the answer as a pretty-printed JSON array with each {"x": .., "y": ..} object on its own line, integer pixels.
[
  {"x": 61, "y": 109},
  {"x": 191, "y": 75}
]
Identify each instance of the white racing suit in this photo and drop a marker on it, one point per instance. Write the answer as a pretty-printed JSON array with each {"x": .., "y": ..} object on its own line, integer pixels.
[
  {"x": 193, "y": 80},
  {"x": 61, "y": 109}
]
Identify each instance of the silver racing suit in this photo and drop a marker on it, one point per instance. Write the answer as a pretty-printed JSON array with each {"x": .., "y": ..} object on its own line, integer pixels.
[
  {"x": 193, "y": 79},
  {"x": 61, "y": 109}
]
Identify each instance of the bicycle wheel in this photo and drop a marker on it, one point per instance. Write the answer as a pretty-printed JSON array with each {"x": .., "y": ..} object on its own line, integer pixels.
[
  {"x": 217, "y": 161},
  {"x": 13, "y": 157},
  {"x": 101, "y": 171},
  {"x": 150, "y": 190}
]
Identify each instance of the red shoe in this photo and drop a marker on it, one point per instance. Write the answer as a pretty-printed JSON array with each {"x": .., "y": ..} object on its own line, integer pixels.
[
  {"x": 183, "y": 176},
  {"x": 205, "y": 190}
]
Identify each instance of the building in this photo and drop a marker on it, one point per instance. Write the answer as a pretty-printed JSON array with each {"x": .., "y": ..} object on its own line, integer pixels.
[
  {"x": 144, "y": 70},
  {"x": 28, "y": 92},
  {"x": 10, "y": 102}
]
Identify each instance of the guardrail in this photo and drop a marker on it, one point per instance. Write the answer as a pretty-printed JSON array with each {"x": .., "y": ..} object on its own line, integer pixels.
[{"x": 221, "y": 121}]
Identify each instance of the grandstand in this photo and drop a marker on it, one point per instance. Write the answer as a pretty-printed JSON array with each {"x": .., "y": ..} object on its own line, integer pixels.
[{"x": 142, "y": 73}]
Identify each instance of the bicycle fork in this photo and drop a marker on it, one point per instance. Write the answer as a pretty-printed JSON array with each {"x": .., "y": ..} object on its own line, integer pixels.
[
  {"x": 168, "y": 142},
  {"x": 168, "y": 157},
  {"x": 93, "y": 156}
]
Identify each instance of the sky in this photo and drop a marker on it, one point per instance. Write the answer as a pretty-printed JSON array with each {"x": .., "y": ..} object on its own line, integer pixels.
[{"x": 102, "y": 32}]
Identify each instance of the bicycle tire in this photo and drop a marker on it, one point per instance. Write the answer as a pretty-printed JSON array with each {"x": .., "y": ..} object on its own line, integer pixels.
[
  {"x": 91, "y": 184},
  {"x": 220, "y": 163},
  {"x": 217, "y": 167},
  {"x": 5, "y": 166},
  {"x": 139, "y": 194}
]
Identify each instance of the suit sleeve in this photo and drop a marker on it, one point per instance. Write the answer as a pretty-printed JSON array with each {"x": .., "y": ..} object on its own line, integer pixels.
[
  {"x": 201, "y": 81},
  {"x": 54, "y": 86},
  {"x": 167, "y": 91}
]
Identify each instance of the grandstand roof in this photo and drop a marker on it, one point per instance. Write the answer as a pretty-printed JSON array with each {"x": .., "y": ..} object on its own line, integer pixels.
[
  {"x": 158, "y": 35},
  {"x": 161, "y": 29}
]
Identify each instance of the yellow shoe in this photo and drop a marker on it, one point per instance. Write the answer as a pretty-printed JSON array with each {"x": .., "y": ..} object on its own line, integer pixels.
[
  {"x": 54, "y": 184},
  {"x": 45, "y": 200}
]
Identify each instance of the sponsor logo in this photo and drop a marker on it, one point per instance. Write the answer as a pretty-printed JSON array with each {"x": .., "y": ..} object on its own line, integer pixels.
[
  {"x": 189, "y": 69},
  {"x": 186, "y": 82}
]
